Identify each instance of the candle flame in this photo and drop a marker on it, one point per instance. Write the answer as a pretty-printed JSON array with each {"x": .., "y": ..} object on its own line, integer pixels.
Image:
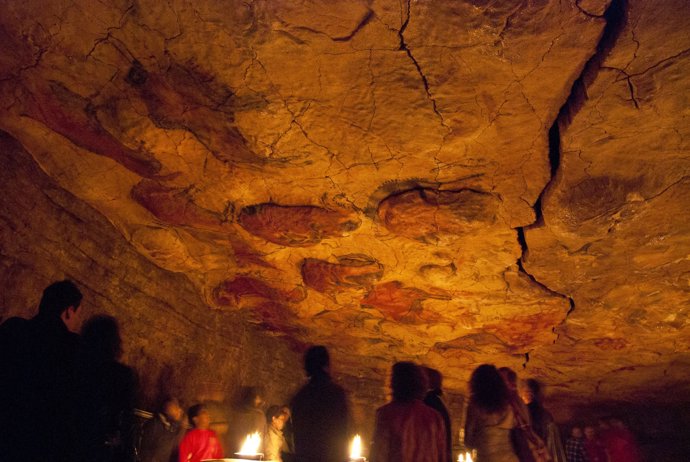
[
  {"x": 251, "y": 445},
  {"x": 467, "y": 457},
  {"x": 356, "y": 448}
]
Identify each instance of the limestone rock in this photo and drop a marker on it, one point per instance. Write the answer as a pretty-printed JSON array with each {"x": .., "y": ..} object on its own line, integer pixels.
[{"x": 455, "y": 182}]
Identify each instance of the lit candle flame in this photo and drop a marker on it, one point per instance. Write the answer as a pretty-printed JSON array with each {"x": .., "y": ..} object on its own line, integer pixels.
[
  {"x": 356, "y": 448},
  {"x": 251, "y": 445},
  {"x": 467, "y": 457}
]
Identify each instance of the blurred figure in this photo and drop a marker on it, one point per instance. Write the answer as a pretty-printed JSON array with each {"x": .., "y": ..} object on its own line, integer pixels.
[
  {"x": 107, "y": 392},
  {"x": 620, "y": 443},
  {"x": 542, "y": 420},
  {"x": 434, "y": 399},
  {"x": 575, "y": 446},
  {"x": 38, "y": 365},
  {"x": 320, "y": 413},
  {"x": 162, "y": 434},
  {"x": 528, "y": 446},
  {"x": 406, "y": 429},
  {"x": 200, "y": 442},
  {"x": 275, "y": 444},
  {"x": 247, "y": 418},
  {"x": 490, "y": 418},
  {"x": 594, "y": 447},
  {"x": 289, "y": 433}
]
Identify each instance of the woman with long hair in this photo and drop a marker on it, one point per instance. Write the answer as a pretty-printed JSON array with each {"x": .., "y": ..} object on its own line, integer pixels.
[
  {"x": 490, "y": 417},
  {"x": 406, "y": 429}
]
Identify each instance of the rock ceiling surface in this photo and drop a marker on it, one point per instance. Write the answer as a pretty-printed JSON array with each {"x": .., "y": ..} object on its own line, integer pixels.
[{"x": 450, "y": 181}]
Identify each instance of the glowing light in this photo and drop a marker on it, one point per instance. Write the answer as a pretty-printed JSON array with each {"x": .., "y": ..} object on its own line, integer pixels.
[
  {"x": 251, "y": 445},
  {"x": 356, "y": 448},
  {"x": 467, "y": 457}
]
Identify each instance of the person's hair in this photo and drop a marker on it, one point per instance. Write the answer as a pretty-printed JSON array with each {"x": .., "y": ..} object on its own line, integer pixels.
[
  {"x": 509, "y": 375},
  {"x": 59, "y": 296},
  {"x": 249, "y": 395},
  {"x": 434, "y": 379},
  {"x": 407, "y": 381},
  {"x": 488, "y": 390},
  {"x": 193, "y": 412},
  {"x": 316, "y": 360},
  {"x": 535, "y": 387},
  {"x": 101, "y": 337},
  {"x": 167, "y": 401},
  {"x": 273, "y": 411}
]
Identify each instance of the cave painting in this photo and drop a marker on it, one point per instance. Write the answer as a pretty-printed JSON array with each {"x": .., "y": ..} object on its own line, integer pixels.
[
  {"x": 349, "y": 271},
  {"x": 441, "y": 181},
  {"x": 402, "y": 303},
  {"x": 425, "y": 213},
  {"x": 296, "y": 226}
]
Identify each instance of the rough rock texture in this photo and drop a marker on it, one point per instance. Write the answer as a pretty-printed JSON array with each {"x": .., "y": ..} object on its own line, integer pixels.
[
  {"x": 452, "y": 182},
  {"x": 174, "y": 341}
]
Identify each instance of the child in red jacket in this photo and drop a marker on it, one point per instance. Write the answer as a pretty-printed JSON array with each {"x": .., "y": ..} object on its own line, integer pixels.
[{"x": 200, "y": 442}]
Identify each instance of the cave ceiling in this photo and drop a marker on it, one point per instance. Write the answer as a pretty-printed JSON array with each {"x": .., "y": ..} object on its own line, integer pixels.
[{"x": 453, "y": 182}]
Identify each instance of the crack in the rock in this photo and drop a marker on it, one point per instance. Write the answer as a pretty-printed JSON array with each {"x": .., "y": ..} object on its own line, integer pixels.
[
  {"x": 508, "y": 22},
  {"x": 585, "y": 12},
  {"x": 680, "y": 54},
  {"x": 628, "y": 78},
  {"x": 363, "y": 22},
  {"x": 616, "y": 17},
  {"x": 406, "y": 49}
]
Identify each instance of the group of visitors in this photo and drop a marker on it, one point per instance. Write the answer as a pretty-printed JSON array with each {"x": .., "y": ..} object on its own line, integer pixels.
[
  {"x": 65, "y": 396},
  {"x": 506, "y": 420},
  {"x": 610, "y": 442},
  {"x": 166, "y": 437}
]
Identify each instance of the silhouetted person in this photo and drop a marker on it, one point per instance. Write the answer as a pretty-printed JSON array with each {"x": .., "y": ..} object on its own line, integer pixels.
[
  {"x": 575, "y": 446},
  {"x": 406, "y": 429},
  {"x": 490, "y": 418},
  {"x": 320, "y": 413},
  {"x": 542, "y": 420},
  {"x": 200, "y": 442},
  {"x": 434, "y": 399},
  {"x": 37, "y": 364},
  {"x": 594, "y": 446},
  {"x": 528, "y": 446},
  {"x": 107, "y": 394},
  {"x": 288, "y": 431},
  {"x": 620, "y": 443},
  {"x": 275, "y": 444},
  {"x": 161, "y": 435},
  {"x": 247, "y": 418}
]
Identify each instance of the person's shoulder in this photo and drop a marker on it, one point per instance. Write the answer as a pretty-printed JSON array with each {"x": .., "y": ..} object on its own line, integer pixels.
[
  {"x": 13, "y": 325},
  {"x": 385, "y": 410},
  {"x": 428, "y": 411},
  {"x": 299, "y": 394},
  {"x": 337, "y": 388}
]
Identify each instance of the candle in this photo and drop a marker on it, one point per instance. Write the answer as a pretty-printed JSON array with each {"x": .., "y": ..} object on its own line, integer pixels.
[
  {"x": 356, "y": 450},
  {"x": 251, "y": 446},
  {"x": 467, "y": 457}
]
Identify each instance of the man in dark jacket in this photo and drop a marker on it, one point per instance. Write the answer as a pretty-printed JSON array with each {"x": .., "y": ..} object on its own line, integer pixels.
[
  {"x": 162, "y": 434},
  {"x": 320, "y": 413},
  {"x": 37, "y": 360},
  {"x": 434, "y": 400}
]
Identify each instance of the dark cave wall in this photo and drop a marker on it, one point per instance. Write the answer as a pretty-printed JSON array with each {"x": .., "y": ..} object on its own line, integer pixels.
[{"x": 176, "y": 343}]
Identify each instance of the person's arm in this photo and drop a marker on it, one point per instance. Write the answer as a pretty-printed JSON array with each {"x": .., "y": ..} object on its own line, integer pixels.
[
  {"x": 441, "y": 439},
  {"x": 380, "y": 449},
  {"x": 185, "y": 451},
  {"x": 218, "y": 454},
  {"x": 471, "y": 426}
]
